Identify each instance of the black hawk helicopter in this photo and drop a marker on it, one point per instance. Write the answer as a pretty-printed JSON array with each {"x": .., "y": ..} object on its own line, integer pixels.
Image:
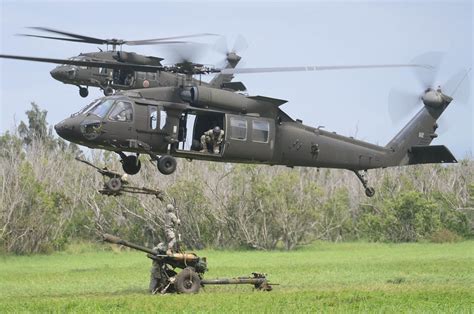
[
  {"x": 254, "y": 129},
  {"x": 109, "y": 79}
]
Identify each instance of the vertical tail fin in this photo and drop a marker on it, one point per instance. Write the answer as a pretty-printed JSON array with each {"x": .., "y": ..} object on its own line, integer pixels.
[
  {"x": 220, "y": 79},
  {"x": 420, "y": 130}
]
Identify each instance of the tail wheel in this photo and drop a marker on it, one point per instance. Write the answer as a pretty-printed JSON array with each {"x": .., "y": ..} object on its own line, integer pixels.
[
  {"x": 370, "y": 191},
  {"x": 83, "y": 91},
  {"x": 108, "y": 91},
  {"x": 187, "y": 281},
  {"x": 167, "y": 164}
]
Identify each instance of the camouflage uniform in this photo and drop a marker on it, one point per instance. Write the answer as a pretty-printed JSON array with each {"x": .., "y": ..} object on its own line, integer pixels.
[
  {"x": 156, "y": 278},
  {"x": 213, "y": 138},
  {"x": 171, "y": 222}
]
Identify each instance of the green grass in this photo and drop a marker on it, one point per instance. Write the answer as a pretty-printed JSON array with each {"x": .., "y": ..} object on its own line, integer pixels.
[{"x": 355, "y": 277}]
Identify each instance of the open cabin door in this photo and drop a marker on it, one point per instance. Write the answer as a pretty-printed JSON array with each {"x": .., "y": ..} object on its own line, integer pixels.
[
  {"x": 192, "y": 126},
  {"x": 248, "y": 138}
]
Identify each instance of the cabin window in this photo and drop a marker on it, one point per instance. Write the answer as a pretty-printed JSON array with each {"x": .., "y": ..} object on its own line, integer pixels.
[
  {"x": 238, "y": 129},
  {"x": 260, "y": 131},
  {"x": 153, "y": 117},
  {"x": 163, "y": 117},
  {"x": 122, "y": 112}
]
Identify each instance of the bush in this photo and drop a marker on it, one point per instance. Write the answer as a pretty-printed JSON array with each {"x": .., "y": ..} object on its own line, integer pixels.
[{"x": 444, "y": 236}]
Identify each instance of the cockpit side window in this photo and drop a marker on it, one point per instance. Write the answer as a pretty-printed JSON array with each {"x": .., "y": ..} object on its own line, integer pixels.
[
  {"x": 122, "y": 111},
  {"x": 102, "y": 108}
]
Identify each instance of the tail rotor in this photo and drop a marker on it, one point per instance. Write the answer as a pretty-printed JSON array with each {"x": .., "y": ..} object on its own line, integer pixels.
[{"x": 431, "y": 92}]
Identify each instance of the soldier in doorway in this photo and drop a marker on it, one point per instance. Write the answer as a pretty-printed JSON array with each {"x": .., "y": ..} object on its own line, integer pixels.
[
  {"x": 171, "y": 222},
  {"x": 214, "y": 138}
]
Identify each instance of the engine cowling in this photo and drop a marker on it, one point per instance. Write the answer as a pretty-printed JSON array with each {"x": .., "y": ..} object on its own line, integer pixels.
[
  {"x": 131, "y": 57},
  {"x": 205, "y": 97}
]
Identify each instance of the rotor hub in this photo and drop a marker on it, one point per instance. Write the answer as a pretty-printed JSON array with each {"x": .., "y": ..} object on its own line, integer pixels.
[{"x": 435, "y": 98}]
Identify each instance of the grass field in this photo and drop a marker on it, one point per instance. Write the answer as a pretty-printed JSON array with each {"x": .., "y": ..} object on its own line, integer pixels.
[{"x": 355, "y": 277}]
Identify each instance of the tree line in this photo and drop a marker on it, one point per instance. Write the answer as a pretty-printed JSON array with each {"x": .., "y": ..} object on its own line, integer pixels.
[{"x": 48, "y": 199}]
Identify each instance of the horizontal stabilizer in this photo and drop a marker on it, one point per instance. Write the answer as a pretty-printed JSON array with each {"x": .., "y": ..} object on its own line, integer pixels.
[
  {"x": 430, "y": 155},
  {"x": 235, "y": 86},
  {"x": 275, "y": 101}
]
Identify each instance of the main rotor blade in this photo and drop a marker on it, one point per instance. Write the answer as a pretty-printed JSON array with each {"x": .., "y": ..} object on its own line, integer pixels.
[
  {"x": 87, "y": 39},
  {"x": 94, "y": 40},
  {"x": 152, "y": 43},
  {"x": 157, "y": 40},
  {"x": 96, "y": 64},
  {"x": 55, "y": 38},
  {"x": 318, "y": 68}
]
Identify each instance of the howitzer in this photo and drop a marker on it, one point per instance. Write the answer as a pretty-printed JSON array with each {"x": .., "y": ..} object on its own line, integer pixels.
[
  {"x": 164, "y": 278},
  {"x": 117, "y": 183},
  {"x": 176, "y": 260}
]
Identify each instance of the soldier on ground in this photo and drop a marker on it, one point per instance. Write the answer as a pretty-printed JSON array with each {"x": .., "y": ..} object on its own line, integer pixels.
[
  {"x": 214, "y": 138},
  {"x": 171, "y": 222}
]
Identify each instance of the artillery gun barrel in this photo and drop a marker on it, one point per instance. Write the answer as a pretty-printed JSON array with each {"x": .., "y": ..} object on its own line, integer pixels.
[
  {"x": 233, "y": 281},
  {"x": 116, "y": 240}
]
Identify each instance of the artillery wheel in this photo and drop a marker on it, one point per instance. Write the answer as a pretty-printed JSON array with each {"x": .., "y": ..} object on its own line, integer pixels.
[
  {"x": 83, "y": 91},
  {"x": 370, "y": 191},
  {"x": 114, "y": 184},
  {"x": 167, "y": 164},
  {"x": 108, "y": 91},
  {"x": 131, "y": 164},
  {"x": 187, "y": 281}
]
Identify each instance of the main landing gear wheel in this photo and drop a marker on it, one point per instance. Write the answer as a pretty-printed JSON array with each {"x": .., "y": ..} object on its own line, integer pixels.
[
  {"x": 167, "y": 164},
  {"x": 131, "y": 164},
  {"x": 187, "y": 281},
  {"x": 83, "y": 91},
  {"x": 108, "y": 91}
]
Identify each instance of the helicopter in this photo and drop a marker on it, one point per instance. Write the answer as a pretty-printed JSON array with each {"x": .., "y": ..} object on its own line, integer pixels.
[
  {"x": 109, "y": 79},
  {"x": 157, "y": 121}
]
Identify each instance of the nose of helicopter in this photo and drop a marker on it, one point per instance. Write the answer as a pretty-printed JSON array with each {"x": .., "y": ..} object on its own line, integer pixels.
[
  {"x": 65, "y": 129},
  {"x": 62, "y": 73}
]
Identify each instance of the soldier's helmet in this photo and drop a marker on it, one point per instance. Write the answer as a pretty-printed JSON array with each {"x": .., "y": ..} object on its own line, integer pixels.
[
  {"x": 216, "y": 130},
  {"x": 169, "y": 208}
]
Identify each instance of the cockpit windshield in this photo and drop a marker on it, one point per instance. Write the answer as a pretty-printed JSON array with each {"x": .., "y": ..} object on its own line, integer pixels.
[
  {"x": 87, "y": 108},
  {"x": 78, "y": 58},
  {"x": 100, "y": 109}
]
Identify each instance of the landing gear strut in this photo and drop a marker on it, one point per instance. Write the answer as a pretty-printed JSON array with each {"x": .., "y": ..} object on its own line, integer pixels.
[
  {"x": 83, "y": 91},
  {"x": 130, "y": 164},
  {"x": 362, "y": 175}
]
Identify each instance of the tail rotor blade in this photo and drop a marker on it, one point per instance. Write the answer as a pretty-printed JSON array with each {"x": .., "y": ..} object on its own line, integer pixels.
[
  {"x": 220, "y": 46},
  {"x": 240, "y": 44},
  {"x": 458, "y": 86},
  {"x": 427, "y": 77},
  {"x": 190, "y": 52},
  {"x": 401, "y": 104}
]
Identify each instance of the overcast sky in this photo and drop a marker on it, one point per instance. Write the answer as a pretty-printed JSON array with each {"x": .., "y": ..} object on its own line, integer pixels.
[{"x": 278, "y": 34}]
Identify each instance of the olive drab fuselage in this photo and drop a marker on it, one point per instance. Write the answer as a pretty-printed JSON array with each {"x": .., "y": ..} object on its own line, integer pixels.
[
  {"x": 256, "y": 131},
  {"x": 118, "y": 79}
]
